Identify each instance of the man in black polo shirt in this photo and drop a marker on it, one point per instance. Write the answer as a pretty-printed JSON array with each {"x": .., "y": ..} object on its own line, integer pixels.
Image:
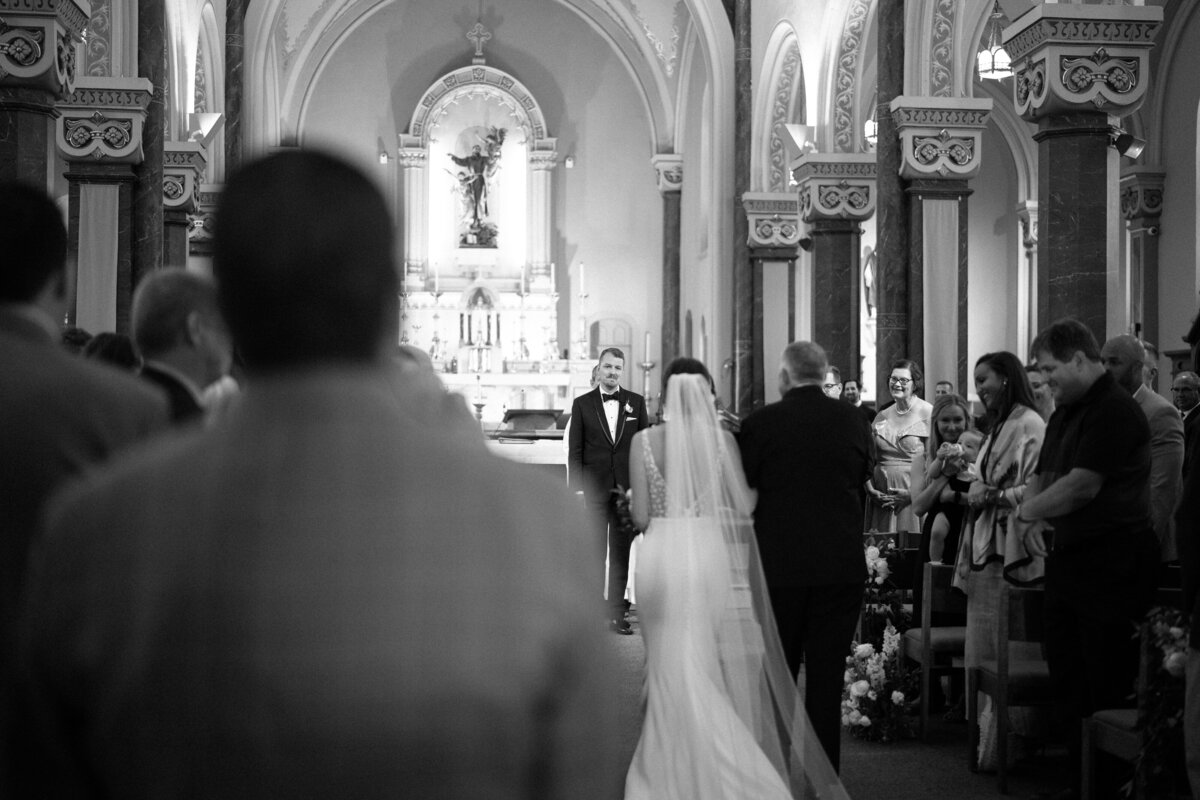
[{"x": 1090, "y": 515}]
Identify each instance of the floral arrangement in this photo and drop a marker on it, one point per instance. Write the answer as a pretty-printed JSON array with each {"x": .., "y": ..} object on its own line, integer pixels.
[
  {"x": 620, "y": 498},
  {"x": 874, "y": 690},
  {"x": 1160, "y": 764},
  {"x": 883, "y": 601}
]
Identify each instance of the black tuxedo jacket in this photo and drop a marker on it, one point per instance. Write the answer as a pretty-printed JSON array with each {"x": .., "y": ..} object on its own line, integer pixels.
[
  {"x": 596, "y": 461},
  {"x": 809, "y": 457}
]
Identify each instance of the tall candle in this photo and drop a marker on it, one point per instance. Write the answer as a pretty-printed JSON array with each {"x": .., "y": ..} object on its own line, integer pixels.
[{"x": 647, "y": 345}]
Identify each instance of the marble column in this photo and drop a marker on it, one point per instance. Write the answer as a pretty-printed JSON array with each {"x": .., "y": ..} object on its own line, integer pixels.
[
  {"x": 37, "y": 68},
  {"x": 1027, "y": 213},
  {"x": 235, "y": 34},
  {"x": 148, "y": 191},
  {"x": 774, "y": 221},
  {"x": 414, "y": 161},
  {"x": 99, "y": 133},
  {"x": 743, "y": 275},
  {"x": 1077, "y": 69},
  {"x": 941, "y": 144},
  {"x": 837, "y": 194},
  {"x": 543, "y": 158},
  {"x": 1141, "y": 206},
  {"x": 183, "y": 169},
  {"x": 892, "y": 278},
  {"x": 669, "y": 169}
]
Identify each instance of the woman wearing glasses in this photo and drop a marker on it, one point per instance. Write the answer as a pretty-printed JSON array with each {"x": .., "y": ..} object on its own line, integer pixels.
[{"x": 900, "y": 431}]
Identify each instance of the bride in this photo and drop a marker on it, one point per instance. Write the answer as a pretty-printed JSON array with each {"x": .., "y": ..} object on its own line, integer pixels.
[{"x": 723, "y": 717}]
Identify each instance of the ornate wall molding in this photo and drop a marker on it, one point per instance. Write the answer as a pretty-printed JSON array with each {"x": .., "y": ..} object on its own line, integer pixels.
[
  {"x": 781, "y": 113},
  {"x": 1142, "y": 192},
  {"x": 941, "y": 62},
  {"x": 477, "y": 78},
  {"x": 669, "y": 169},
  {"x": 846, "y": 77},
  {"x": 1069, "y": 58},
  {"x": 97, "y": 48},
  {"x": 183, "y": 169},
  {"x": 836, "y": 185},
  {"x": 774, "y": 219},
  {"x": 37, "y": 43},
  {"x": 102, "y": 120},
  {"x": 940, "y": 138}
]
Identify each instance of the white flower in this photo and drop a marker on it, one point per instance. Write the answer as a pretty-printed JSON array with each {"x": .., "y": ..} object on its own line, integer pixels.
[
  {"x": 855, "y": 717},
  {"x": 864, "y": 650},
  {"x": 845, "y": 720},
  {"x": 897, "y": 698},
  {"x": 1175, "y": 663},
  {"x": 872, "y": 553},
  {"x": 865, "y": 721},
  {"x": 1177, "y": 632},
  {"x": 872, "y": 695},
  {"x": 847, "y": 676},
  {"x": 883, "y": 569},
  {"x": 859, "y": 688},
  {"x": 879, "y": 580}
]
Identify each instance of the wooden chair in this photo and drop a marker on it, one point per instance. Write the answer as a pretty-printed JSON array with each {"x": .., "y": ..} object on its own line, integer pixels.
[
  {"x": 936, "y": 648},
  {"x": 1117, "y": 732},
  {"x": 1008, "y": 681}
]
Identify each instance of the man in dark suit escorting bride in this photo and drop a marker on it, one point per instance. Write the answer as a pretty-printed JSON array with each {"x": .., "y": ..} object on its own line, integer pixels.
[
  {"x": 603, "y": 422},
  {"x": 809, "y": 457}
]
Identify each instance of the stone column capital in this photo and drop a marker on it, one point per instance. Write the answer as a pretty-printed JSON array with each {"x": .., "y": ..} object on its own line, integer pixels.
[
  {"x": 940, "y": 137},
  {"x": 1069, "y": 58},
  {"x": 1142, "y": 192},
  {"x": 201, "y": 218},
  {"x": 835, "y": 185},
  {"x": 669, "y": 168},
  {"x": 183, "y": 169},
  {"x": 774, "y": 219},
  {"x": 544, "y": 154},
  {"x": 102, "y": 120},
  {"x": 37, "y": 43},
  {"x": 412, "y": 152}
]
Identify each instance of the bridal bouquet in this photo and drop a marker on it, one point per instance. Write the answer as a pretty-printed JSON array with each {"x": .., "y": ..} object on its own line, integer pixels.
[{"x": 875, "y": 689}]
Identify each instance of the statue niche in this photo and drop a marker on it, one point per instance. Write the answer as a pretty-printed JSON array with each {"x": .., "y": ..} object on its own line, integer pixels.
[{"x": 474, "y": 183}]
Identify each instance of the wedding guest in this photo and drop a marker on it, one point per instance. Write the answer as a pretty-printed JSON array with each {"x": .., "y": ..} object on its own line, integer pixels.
[
  {"x": 1088, "y": 516},
  {"x": 1187, "y": 522},
  {"x": 1124, "y": 358},
  {"x": 319, "y": 597},
  {"x": 62, "y": 415},
  {"x": 113, "y": 348},
  {"x": 1150, "y": 366},
  {"x": 1186, "y": 391},
  {"x": 182, "y": 338},
  {"x": 989, "y": 551},
  {"x": 833, "y": 383},
  {"x": 900, "y": 432},
  {"x": 1042, "y": 396},
  {"x": 852, "y": 394},
  {"x": 942, "y": 388}
]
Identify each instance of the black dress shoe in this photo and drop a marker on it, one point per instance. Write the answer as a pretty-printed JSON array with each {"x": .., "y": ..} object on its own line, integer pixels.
[{"x": 620, "y": 626}]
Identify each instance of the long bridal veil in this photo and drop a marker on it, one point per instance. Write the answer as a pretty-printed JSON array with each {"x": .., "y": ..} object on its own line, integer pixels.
[{"x": 706, "y": 485}]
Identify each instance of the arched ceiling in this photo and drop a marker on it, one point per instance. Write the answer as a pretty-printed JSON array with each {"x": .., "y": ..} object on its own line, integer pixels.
[{"x": 300, "y": 35}]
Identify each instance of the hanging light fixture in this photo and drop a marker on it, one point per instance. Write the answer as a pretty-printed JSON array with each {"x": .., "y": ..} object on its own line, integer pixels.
[
  {"x": 871, "y": 126},
  {"x": 993, "y": 60}
]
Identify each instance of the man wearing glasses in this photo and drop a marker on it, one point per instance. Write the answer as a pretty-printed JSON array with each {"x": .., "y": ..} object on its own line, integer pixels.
[{"x": 1185, "y": 390}]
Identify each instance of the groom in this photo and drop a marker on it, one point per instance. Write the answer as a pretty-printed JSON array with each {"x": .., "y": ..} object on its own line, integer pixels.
[
  {"x": 809, "y": 456},
  {"x": 603, "y": 422}
]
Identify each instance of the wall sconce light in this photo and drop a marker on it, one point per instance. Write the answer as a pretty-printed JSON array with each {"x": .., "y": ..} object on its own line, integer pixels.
[
  {"x": 993, "y": 60},
  {"x": 384, "y": 157},
  {"x": 1126, "y": 143},
  {"x": 569, "y": 162}
]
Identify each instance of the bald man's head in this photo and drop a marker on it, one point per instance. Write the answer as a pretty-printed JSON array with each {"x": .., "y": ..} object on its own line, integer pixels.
[{"x": 1123, "y": 357}]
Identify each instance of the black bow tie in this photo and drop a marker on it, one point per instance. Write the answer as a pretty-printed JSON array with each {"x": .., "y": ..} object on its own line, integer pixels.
[{"x": 604, "y": 398}]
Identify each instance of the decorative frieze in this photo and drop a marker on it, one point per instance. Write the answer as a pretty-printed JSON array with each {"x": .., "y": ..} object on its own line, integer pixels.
[
  {"x": 669, "y": 169},
  {"x": 37, "y": 43},
  {"x": 1068, "y": 58},
  {"x": 835, "y": 185},
  {"x": 183, "y": 170},
  {"x": 102, "y": 120},
  {"x": 940, "y": 137},
  {"x": 1142, "y": 192},
  {"x": 774, "y": 218}
]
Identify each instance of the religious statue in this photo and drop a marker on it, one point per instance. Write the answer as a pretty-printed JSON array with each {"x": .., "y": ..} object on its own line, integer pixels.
[{"x": 474, "y": 182}]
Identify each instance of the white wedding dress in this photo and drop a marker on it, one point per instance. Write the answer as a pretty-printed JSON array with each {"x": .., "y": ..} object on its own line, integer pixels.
[{"x": 723, "y": 718}]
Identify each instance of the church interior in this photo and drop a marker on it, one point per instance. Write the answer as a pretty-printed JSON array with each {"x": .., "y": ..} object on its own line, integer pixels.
[{"x": 930, "y": 179}]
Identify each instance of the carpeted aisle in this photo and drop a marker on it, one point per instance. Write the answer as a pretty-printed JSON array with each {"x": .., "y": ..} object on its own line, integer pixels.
[{"x": 906, "y": 770}]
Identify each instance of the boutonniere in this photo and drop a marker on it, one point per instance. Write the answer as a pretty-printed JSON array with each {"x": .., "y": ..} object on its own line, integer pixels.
[{"x": 628, "y": 408}]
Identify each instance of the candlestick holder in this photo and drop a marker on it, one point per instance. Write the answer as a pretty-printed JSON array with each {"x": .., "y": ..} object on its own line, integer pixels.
[{"x": 646, "y": 367}]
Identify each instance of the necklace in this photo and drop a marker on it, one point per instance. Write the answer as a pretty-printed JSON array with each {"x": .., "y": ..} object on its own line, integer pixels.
[{"x": 900, "y": 413}]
